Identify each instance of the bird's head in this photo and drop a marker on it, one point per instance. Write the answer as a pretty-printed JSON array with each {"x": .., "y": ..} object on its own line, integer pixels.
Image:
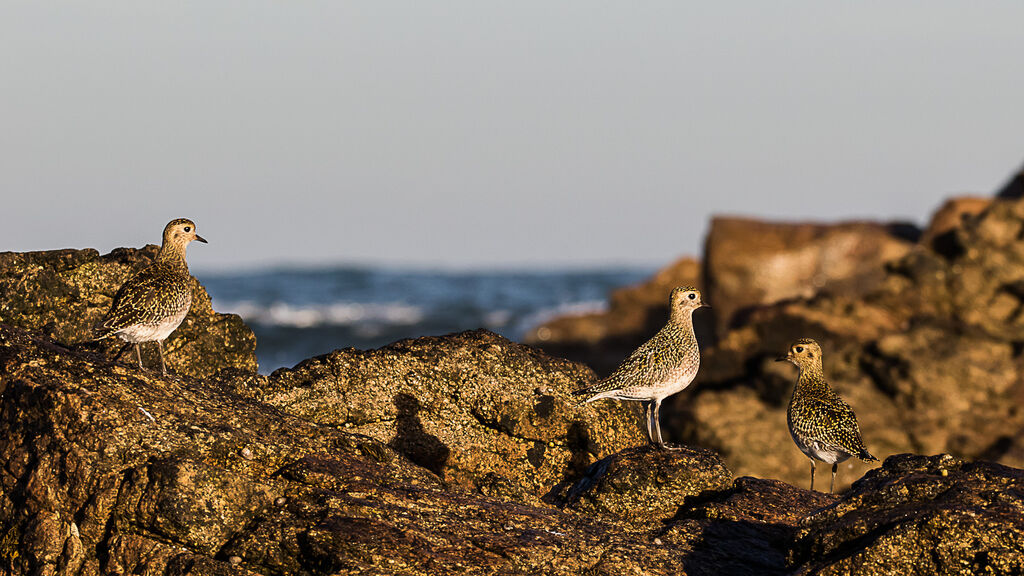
[
  {"x": 804, "y": 353},
  {"x": 180, "y": 232},
  {"x": 685, "y": 298}
]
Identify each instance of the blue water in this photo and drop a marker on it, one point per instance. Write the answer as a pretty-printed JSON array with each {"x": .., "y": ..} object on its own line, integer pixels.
[{"x": 299, "y": 313}]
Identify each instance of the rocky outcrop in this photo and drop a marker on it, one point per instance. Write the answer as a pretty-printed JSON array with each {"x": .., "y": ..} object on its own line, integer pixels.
[
  {"x": 479, "y": 411},
  {"x": 918, "y": 515},
  {"x": 940, "y": 235},
  {"x": 647, "y": 485},
  {"x": 105, "y": 469},
  {"x": 751, "y": 263},
  {"x": 63, "y": 293}
]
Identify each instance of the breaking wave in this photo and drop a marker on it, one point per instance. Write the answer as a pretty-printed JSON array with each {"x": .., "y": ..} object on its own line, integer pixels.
[{"x": 297, "y": 314}]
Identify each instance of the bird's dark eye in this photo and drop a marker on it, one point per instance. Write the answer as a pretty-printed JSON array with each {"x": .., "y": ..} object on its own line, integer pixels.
[
  {"x": 187, "y": 229},
  {"x": 692, "y": 295},
  {"x": 799, "y": 349}
]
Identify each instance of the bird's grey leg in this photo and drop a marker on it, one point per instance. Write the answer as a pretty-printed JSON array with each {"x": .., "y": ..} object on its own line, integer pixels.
[
  {"x": 812, "y": 475},
  {"x": 160, "y": 347},
  {"x": 831, "y": 487},
  {"x": 138, "y": 354},
  {"x": 657, "y": 423},
  {"x": 647, "y": 417}
]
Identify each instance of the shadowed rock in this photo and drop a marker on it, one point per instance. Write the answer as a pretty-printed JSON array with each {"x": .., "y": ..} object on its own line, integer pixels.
[{"x": 412, "y": 440}]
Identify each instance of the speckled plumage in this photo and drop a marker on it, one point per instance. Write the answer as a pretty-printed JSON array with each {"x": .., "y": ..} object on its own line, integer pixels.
[
  {"x": 822, "y": 425},
  {"x": 153, "y": 302},
  {"x": 659, "y": 368}
]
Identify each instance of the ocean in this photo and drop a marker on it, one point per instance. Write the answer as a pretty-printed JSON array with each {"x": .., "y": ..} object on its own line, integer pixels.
[{"x": 298, "y": 313}]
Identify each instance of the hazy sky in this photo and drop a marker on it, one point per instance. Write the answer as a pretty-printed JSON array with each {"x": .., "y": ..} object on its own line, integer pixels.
[{"x": 492, "y": 134}]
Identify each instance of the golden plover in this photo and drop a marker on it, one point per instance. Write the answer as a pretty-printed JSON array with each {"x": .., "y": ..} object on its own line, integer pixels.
[
  {"x": 660, "y": 367},
  {"x": 153, "y": 302},
  {"x": 821, "y": 423}
]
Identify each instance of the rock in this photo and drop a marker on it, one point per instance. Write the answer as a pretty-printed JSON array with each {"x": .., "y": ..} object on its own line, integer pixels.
[
  {"x": 926, "y": 347},
  {"x": 479, "y": 411},
  {"x": 90, "y": 484},
  {"x": 753, "y": 263},
  {"x": 929, "y": 358},
  {"x": 648, "y": 484},
  {"x": 635, "y": 313},
  {"x": 108, "y": 469},
  {"x": 744, "y": 529},
  {"x": 105, "y": 469},
  {"x": 940, "y": 233},
  {"x": 920, "y": 515},
  {"x": 63, "y": 293},
  {"x": 1014, "y": 187}
]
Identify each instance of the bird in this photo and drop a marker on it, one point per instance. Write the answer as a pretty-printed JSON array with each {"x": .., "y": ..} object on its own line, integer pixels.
[
  {"x": 823, "y": 426},
  {"x": 660, "y": 367},
  {"x": 152, "y": 303}
]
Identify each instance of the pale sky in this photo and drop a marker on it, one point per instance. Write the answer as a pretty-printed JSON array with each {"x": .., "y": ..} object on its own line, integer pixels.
[{"x": 492, "y": 134}]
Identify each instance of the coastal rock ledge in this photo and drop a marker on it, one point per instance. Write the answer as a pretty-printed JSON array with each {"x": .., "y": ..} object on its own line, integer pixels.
[
  {"x": 459, "y": 454},
  {"x": 105, "y": 469}
]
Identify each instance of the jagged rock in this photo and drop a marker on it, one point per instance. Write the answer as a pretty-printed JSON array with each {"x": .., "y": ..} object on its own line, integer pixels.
[
  {"x": 920, "y": 515},
  {"x": 635, "y": 313},
  {"x": 1014, "y": 187},
  {"x": 478, "y": 410},
  {"x": 648, "y": 484},
  {"x": 752, "y": 263},
  {"x": 939, "y": 235},
  {"x": 108, "y": 469},
  {"x": 63, "y": 293},
  {"x": 105, "y": 469}
]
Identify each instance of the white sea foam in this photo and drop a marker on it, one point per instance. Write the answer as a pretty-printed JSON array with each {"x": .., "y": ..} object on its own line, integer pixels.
[{"x": 334, "y": 314}]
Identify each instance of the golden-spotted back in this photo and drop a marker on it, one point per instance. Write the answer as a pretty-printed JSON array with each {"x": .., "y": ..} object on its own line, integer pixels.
[{"x": 659, "y": 368}]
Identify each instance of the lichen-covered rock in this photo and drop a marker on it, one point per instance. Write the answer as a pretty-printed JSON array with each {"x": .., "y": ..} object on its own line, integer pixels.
[
  {"x": 648, "y": 484},
  {"x": 920, "y": 515},
  {"x": 108, "y": 470},
  {"x": 64, "y": 293},
  {"x": 476, "y": 409}
]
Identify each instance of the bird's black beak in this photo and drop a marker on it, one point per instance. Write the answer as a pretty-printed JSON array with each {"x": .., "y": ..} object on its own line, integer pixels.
[
  {"x": 782, "y": 359},
  {"x": 705, "y": 305},
  {"x": 201, "y": 239}
]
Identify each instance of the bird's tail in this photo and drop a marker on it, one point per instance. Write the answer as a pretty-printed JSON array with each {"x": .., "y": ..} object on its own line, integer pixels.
[
  {"x": 583, "y": 394},
  {"x": 866, "y": 456},
  {"x": 101, "y": 331}
]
